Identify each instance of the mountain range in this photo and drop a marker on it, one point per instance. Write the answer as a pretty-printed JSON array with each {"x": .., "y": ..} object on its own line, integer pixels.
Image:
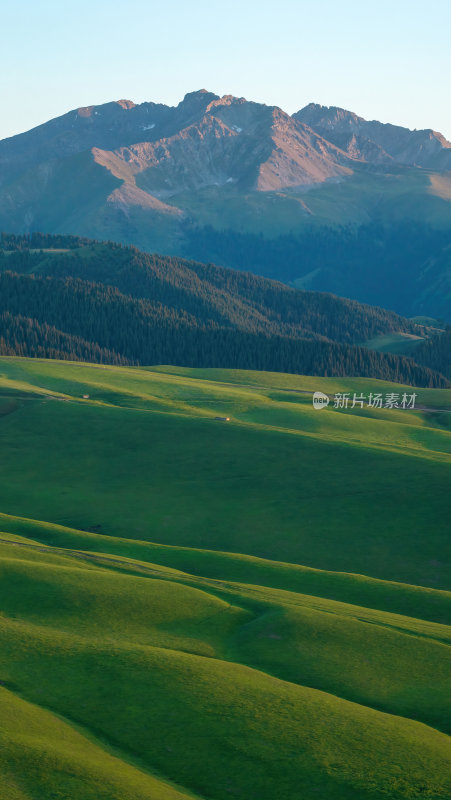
[
  {"x": 174, "y": 179},
  {"x": 376, "y": 142}
]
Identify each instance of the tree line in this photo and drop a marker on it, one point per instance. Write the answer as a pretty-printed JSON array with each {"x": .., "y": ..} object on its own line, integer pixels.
[
  {"x": 81, "y": 320},
  {"x": 377, "y": 263},
  {"x": 212, "y": 294}
]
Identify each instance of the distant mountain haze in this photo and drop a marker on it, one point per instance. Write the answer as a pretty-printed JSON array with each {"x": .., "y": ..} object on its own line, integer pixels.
[{"x": 158, "y": 176}]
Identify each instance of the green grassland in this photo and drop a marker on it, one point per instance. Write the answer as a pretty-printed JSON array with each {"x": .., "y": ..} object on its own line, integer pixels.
[
  {"x": 398, "y": 343},
  {"x": 192, "y": 608},
  {"x": 389, "y": 196}
]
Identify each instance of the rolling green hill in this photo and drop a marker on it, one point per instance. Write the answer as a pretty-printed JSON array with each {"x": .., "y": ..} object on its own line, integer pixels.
[{"x": 193, "y": 608}]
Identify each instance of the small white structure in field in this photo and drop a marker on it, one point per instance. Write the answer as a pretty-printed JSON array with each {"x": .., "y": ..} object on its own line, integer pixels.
[{"x": 86, "y": 397}]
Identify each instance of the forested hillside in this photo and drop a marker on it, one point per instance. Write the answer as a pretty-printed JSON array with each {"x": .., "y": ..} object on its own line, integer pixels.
[
  {"x": 69, "y": 298},
  {"x": 436, "y": 352},
  {"x": 214, "y": 294},
  {"x": 401, "y": 265},
  {"x": 22, "y": 336}
]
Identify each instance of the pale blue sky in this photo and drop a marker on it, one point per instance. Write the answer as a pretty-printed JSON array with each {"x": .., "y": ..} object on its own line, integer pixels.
[{"x": 384, "y": 60}]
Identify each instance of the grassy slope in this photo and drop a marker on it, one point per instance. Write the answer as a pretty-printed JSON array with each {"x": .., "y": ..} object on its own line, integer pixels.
[
  {"x": 282, "y": 481},
  {"x": 151, "y": 640},
  {"x": 405, "y": 193},
  {"x": 398, "y": 343},
  {"x": 157, "y": 668},
  {"x": 43, "y": 756}
]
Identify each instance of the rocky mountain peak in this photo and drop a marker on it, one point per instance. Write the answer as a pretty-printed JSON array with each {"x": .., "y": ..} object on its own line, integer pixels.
[
  {"x": 85, "y": 111},
  {"x": 126, "y": 104},
  {"x": 202, "y": 97},
  {"x": 328, "y": 117},
  {"x": 205, "y": 142},
  {"x": 374, "y": 141}
]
